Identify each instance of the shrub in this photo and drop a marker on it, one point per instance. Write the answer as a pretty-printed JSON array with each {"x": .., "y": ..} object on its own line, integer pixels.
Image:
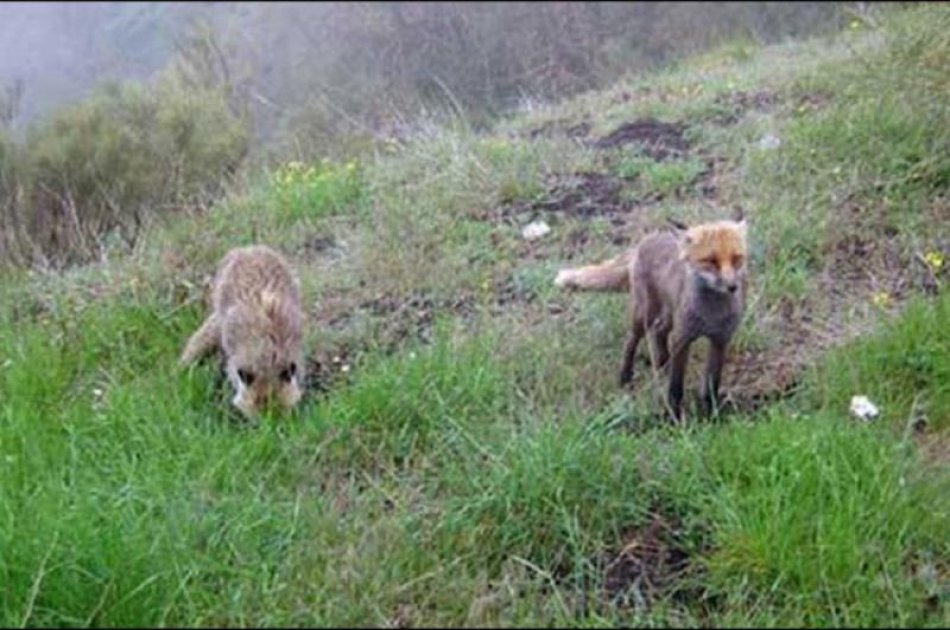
[{"x": 106, "y": 165}]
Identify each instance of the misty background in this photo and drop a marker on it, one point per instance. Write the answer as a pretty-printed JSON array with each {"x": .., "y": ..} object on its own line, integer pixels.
[
  {"x": 362, "y": 65},
  {"x": 111, "y": 111}
]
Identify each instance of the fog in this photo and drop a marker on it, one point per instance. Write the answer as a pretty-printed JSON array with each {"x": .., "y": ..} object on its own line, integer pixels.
[
  {"x": 57, "y": 51},
  {"x": 364, "y": 62}
]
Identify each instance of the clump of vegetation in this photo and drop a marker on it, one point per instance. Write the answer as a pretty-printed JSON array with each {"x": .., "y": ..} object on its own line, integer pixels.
[
  {"x": 102, "y": 169},
  {"x": 317, "y": 190},
  {"x": 660, "y": 179}
]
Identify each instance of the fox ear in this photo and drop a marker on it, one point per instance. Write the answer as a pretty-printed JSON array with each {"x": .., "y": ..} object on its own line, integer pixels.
[
  {"x": 743, "y": 226},
  {"x": 677, "y": 225}
]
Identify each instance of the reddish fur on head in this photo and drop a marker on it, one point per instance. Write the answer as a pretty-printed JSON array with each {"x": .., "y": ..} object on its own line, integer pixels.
[{"x": 717, "y": 253}]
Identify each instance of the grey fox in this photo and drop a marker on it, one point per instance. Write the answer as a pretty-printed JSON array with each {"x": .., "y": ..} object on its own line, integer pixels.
[{"x": 683, "y": 286}]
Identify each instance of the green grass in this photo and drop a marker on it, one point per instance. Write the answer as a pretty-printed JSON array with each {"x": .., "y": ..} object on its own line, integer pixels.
[
  {"x": 312, "y": 192},
  {"x": 477, "y": 465},
  {"x": 660, "y": 178},
  {"x": 816, "y": 520},
  {"x": 904, "y": 368}
]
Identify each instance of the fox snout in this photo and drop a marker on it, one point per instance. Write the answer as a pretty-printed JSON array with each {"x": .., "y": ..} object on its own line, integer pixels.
[
  {"x": 720, "y": 282},
  {"x": 729, "y": 281},
  {"x": 251, "y": 400},
  {"x": 252, "y": 404}
]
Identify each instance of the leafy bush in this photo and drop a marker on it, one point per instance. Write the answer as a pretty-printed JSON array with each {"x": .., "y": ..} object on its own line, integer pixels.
[{"x": 129, "y": 152}]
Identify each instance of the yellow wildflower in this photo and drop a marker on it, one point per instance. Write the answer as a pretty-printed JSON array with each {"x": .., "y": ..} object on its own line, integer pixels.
[
  {"x": 881, "y": 298},
  {"x": 934, "y": 260}
]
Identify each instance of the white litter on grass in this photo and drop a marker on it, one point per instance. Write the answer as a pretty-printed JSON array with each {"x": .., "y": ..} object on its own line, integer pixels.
[
  {"x": 535, "y": 230},
  {"x": 770, "y": 141},
  {"x": 863, "y": 408}
]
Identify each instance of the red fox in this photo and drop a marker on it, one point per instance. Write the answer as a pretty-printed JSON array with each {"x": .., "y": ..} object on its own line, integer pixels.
[
  {"x": 683, "y": 286},
  {"x": 256, "y": 321}
]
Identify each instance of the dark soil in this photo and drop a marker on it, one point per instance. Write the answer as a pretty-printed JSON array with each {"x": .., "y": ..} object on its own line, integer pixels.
[
  {"x": 738, "y": 104},
  {"x": 554, "y": 128},
  {"x": 318, "y": 244},
  {"x": 400, "y": 320},
  {"x": 658, "y": 140},
  {"x": 591, "y": 194},
  {"x": 650, "y": 563},
  {"x": 582, "y": 195}
]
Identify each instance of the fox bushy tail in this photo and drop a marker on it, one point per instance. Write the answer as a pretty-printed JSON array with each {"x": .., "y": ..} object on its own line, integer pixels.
[{"x": 610, "y": 275}]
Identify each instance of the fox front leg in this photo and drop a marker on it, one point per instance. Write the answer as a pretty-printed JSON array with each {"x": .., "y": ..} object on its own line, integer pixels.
[
  {"x": 202, "y": 342},
  {"x": 713, "y": 374},
  {"x": 678, "y": 360}
]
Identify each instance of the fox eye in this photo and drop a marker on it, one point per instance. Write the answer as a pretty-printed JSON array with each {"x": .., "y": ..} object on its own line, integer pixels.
[
  {"x": 737, "y": 260},
  {"x": 711, "y": 261},
  {"x": 288, "y": 373},
  {"x": 246, "y": 376}
]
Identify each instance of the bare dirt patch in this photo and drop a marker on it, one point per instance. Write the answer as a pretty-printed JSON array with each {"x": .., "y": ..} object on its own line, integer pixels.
[
  {"x": 934, "y": 445},
  {"x": 755, "y": 379},
  {"x": 658, "y": 140},
  {"x": 580, "y": 196},
  {"x": 564, "y": 128},
  {"x": 593, "y": 194},
  {"x": 735, "y": 105},
  {"x": 866, "y": 268},
  {"x": 319, "y": 244},
  {"x": 328, "y": 369},
  {"x": 583, "y": 195},
  {"x": 635, "y": 95},
  {"x": 396, "y": 320},
  {"x": 652, "y": 562},
  {"x": 860, "y": 277},
  {"x": 812, "y": 101},
  {"x": 649, "y": 561}
]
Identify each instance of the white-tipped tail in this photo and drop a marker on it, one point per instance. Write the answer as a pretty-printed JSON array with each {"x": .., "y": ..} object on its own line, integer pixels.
[{"x": 611, "y": 275}]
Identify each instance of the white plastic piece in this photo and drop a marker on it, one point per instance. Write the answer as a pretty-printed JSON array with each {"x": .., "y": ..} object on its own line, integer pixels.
[{"x": 864, "y": 408}]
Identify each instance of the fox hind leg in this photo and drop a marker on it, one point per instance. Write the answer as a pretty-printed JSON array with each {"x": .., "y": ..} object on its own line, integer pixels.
[
  {"x": 630, "y": 351},
  {"x": 659, "y": 335}
]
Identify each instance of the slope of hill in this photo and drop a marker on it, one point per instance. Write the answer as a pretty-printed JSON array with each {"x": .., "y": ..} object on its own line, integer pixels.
[{"x": 464, "y": 456}]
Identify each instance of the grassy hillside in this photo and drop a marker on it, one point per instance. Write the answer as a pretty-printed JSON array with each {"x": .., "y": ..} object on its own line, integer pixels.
[{"x": 464, "y": 456}]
